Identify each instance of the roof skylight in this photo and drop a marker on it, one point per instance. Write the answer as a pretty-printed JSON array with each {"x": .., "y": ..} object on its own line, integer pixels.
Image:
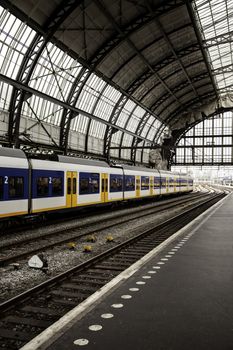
[{"x": 216, "y": 24}]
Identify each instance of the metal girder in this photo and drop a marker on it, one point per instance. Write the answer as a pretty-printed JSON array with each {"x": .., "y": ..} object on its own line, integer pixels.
[
  {"x": 156, "y": 41},
  {"x": 138, "y": 139},
  {"x": 160, "y": 65},
  {"x": 143, "y": 147},
  {"x": 114, "y": 116},
  {"x": 145, "y": 61},
  {"x": 64, "y": 9},
  {"x": 200, "y": 41},
  {"x": 26, "y": 88},
  {"x": 224, "y": 38},
  {"x": 68, "y": 114},
  {"x": 130, "y": 28},
  {"x": 221, "y": 70},
  {"x": 92, "y": 112},
  {"x": 205, "y": 146},
  {"x": 168, "y": 41},
  {"x": 177, "y": 112},
  {"x": 132, "y": 45},
  {"x": 144, "y": 142},
  {"x": 125, "y": 126},
  {"x": 193, "y": 103},
  {"x": 178, "y": 88},
  {"x": 101, "y": 54}
]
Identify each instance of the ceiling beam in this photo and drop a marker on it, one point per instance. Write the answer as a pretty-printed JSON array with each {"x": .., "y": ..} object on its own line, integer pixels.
[{"x": 25, "y": 88}]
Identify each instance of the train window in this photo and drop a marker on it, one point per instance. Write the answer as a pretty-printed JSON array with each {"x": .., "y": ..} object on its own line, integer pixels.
[
  {"x": 1, "y": 187},
  {"x": 156, "y": 182},
  {"x": 144, "y": 182},
  {"x": 42, "y": 186},
  {"x": 89, "y": 183},
  {"x": 116, "y": 183},
  {"x": 74, "y": 185},
  {"x": 57, "y": 186},
  {"x": 69, "y": 185},
  {"x": 163, "y": 182},
  {"x": 129, "y": 183},
  {"x": 16, "y": 187}
]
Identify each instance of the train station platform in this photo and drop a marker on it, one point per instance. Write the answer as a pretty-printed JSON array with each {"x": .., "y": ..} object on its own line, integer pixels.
[{"x": 179, "y": 297}]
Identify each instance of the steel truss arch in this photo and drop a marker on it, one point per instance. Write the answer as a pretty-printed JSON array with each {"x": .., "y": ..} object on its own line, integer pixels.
[
  {"x": 37, "y": 46},
  {"x": 100, "y": 55}
]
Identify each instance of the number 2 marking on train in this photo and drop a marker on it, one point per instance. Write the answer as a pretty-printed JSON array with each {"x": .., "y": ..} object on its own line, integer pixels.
[
  {"x": 50, "y": 180},
  {"x": 6, "y": 180}
]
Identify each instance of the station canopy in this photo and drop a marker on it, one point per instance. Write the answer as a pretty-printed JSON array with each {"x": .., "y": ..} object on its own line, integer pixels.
[{"x": 111, "y": 77}]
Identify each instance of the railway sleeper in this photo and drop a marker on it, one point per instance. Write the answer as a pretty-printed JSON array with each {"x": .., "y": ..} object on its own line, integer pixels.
[
  {"x": 42, "y": 310},
  {"x": 70, "y": 304},
  {"x": 109, "y": 267},
  {"x": 79, "y": 287},
  {"x": 98, "y": 282},
  {"x": 16, "y": 335},
  {"x": 28, "y": 321},
  {"x": 78, "y": 295},
  {"x": 118, "y": 264}
]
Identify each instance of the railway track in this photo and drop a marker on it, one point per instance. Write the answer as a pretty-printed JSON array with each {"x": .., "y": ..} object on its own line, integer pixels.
[
  {"x": 26, "y": 315},
  {"x": 20, "y": 249}
]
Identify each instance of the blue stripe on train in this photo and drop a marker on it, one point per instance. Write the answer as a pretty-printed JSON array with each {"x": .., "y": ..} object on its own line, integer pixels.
[
  {"x": 50, "y": 174},
  {"x": 6, "y": 173}
]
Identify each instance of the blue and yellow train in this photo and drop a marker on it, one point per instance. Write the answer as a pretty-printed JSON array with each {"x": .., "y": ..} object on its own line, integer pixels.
[{"x": 32, "y": 186}]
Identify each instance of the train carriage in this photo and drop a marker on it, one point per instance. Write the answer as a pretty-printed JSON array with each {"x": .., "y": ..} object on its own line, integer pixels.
[
  {"x": 30, "y": 186},
  {"x": 14, "y": 183},
  {"x": 97, "y": 182}
]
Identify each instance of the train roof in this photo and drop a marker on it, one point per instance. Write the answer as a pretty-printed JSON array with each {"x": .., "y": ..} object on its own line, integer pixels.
[
  {"x": 130, "y": 167},
  {"x": 83, "y": 161},
  {"x": 12, "y": 152}
]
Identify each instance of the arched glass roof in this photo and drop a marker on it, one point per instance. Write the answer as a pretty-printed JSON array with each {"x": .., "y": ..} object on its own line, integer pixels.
[
  {"x": 108, "y": 78},
  {"x": 216, "y": 22}
]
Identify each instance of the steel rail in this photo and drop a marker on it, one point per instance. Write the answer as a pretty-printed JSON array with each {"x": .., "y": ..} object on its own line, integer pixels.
[{"x": 73, "y": 236}]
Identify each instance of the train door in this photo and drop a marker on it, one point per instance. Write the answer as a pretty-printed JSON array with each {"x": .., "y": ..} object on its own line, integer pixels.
[
  {"x": 137, "y": 186},
  {"x": 71, "y": 189},
  {"x": 104, "y": 188},
  {"x": 151, "y": 185},
  {"x": 167, "y": 185}
]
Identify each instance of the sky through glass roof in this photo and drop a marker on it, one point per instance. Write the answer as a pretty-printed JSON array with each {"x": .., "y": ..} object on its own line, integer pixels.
[{"x": 216, "y": 24}]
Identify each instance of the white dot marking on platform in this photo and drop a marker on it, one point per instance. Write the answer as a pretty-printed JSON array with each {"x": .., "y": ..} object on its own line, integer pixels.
[
  {"x": 168, "y": 256},
  {"x": 81, "y": 342},
  {"x": 175, "y": 249},
  {"x": 151, "y": 272},
  {"x": 126, "y": 296},
  {"x": 171, "y": 252},
  {"x": 164, "y": 259},
  {"x": 146, "y": 277},
  {"x": 117, "y": 306},
  {"x": 134, "y": 289},
  {"x": 107, "y": 316},
  {"x": 156, "y": 267},
  {"x": 140, "y": 282},
  {"x": 161, "y": 263},
  {"x": 95, "y": 327}
]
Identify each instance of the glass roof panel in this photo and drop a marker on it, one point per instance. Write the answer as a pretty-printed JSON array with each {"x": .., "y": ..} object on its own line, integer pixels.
[
  {"x": 54, "y": 74},
  {"x": 216, "y": 24},
  {"x": 15, "y": 38}
]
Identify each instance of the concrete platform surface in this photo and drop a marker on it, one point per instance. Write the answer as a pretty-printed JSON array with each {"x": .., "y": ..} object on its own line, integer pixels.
[{"x": 181, "y": 299}]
